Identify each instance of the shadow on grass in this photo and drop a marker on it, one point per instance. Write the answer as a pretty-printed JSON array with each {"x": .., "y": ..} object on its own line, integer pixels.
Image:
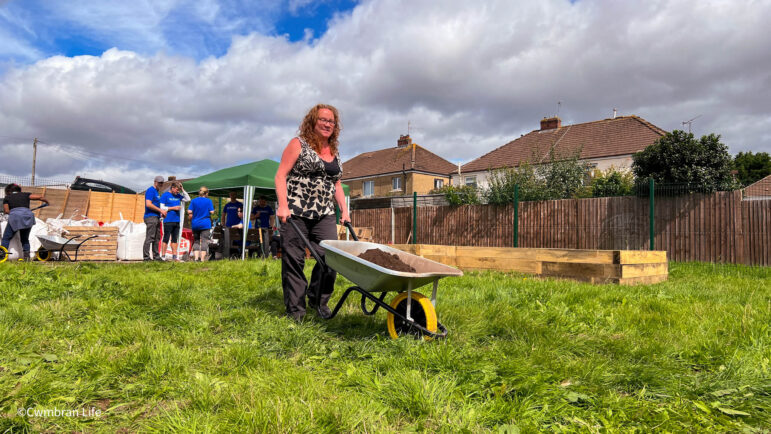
[{"x": 349, "y": 323}]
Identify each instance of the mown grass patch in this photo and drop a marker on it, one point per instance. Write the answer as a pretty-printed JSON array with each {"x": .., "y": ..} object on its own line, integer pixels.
[{"x": 205, "y": 347}]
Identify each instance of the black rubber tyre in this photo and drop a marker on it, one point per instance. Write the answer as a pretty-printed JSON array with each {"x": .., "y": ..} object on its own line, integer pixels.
[
  {"x": 43, "y": 254},
  {"x": 422, "y": 311}
]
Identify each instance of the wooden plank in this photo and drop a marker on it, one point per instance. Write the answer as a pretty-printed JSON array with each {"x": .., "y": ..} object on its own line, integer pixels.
[
  {"x": 561, "y": 255},
  {"x": 644, "y": 280},
  {"x": 641, "y": 270},
  {"x": 498, "y": 264},
  {"x": 581, "y": 271},
  {"x": 94, "y": 229},
  {"x": 639, "y": 256}
]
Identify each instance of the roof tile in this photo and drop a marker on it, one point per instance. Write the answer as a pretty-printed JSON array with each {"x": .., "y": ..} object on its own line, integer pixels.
[
  {"x": 605, "y": 138},
  {"x": 394, "y": 160}
]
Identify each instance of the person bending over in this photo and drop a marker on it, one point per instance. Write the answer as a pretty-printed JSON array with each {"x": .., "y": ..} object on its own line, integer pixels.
[{"x": 20, "y": 217}]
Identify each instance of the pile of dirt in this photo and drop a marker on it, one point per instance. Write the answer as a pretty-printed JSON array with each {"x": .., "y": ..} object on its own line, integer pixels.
[{"x": 386, "y": 260}]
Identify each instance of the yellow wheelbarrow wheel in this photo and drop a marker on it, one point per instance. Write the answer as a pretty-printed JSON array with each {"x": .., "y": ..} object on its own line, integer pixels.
[
  {"x": 422, "y": 311},
  {"x": 3, "y": 254},
  {"x": 43, "y": 254}
]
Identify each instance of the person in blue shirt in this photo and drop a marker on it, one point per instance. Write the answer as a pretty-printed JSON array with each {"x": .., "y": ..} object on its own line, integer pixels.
[
  {"x": 172, "y": 201},
  {"x": 231, "y": 210},
  {"x": 152, "y": 218},
  {"x": 263, "y": 214},
  {"x": 200, "y": 212}
]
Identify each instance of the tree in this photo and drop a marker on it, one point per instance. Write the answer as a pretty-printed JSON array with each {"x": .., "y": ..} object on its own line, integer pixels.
[
  {"x": 751, "y": 167},
  {"x": 611, "y": 182},
  {"x": 559, "y": 178},
  {"x": 678, "y": 157},
  {"x": 563, "y": 175},
  {"x": 502, "y": 182}
]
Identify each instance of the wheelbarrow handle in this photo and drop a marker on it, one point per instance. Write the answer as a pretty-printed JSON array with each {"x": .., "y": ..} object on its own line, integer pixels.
[
  {"x": 350, "y": 228},
  {"x": 307, "y": 243}
]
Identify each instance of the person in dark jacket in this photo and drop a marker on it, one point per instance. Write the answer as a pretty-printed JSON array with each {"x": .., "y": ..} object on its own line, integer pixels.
[
  {"x": 308, "y": 186},
  {"x": 20, "y": 217}
]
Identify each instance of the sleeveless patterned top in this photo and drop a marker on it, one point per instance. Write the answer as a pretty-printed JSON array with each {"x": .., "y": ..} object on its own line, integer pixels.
[{"x": 310, "y": 191}]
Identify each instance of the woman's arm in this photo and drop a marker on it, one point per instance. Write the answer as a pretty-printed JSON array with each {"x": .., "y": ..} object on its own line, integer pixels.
[
  {"x": 288, "y": 159},
  {"x": 39, "y": 197},
  {"x": 6, "y": 208},
  {"x": 340, "y": 198}
]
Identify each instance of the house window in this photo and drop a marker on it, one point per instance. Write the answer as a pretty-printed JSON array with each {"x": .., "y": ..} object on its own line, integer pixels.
[
  {"x": 369, "y": 188},
  {"x": 396, "y": 183},
  {"x": 438, "y": 183},
  {"x": 471, "y": 180}
]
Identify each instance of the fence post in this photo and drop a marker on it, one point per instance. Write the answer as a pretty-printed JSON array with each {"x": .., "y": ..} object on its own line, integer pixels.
[
  {"x": 516, "y": 215},
  {"x": 414, "y": 217},
  {"x": 651, "y": 207}
]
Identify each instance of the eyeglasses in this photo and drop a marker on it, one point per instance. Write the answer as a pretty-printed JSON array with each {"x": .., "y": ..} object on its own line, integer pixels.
[{"x": 327, "y": 121}]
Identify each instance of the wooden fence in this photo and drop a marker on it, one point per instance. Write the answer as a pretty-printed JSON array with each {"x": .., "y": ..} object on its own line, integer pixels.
[
  {"x": 719, "y": 227},
  {"x": 104, "y": 207}
]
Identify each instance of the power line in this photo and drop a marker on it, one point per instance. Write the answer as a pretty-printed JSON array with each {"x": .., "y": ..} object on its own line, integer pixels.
[{"x": 87, "y": 154}]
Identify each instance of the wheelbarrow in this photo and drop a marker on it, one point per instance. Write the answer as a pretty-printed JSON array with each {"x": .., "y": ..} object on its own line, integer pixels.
[
  {"x": 410, "y": 312},
  {"x": 52, "y": 243}
]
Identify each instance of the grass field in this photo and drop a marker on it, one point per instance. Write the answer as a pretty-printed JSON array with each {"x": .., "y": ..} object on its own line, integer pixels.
[{"x": 206, "y": 348}]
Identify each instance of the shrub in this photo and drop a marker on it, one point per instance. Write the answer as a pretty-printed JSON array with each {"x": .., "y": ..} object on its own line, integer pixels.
[
  {"x": 459, "y": 195},
  {"x": 611, "y": 182}
]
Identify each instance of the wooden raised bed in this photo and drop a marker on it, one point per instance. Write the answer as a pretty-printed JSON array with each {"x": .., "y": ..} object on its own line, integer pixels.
[
  {"x": 102, "y": 248},
  {"x": 625, "y": 267}
]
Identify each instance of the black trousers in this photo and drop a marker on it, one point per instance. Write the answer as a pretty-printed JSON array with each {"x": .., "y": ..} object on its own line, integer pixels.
[{"x": 293, "y": 261}]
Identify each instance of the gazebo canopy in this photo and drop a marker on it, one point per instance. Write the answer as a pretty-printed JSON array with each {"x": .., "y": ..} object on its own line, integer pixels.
[
  {"x": 259, "y": 174},
  {"x": 250, "y": 179}
]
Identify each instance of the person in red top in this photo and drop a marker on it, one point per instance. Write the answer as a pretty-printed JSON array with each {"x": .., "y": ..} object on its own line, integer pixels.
[{"x": 20, "y": 217}]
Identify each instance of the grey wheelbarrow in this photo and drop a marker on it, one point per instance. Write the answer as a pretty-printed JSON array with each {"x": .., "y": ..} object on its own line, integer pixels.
[{"x": 409, "y": 312}]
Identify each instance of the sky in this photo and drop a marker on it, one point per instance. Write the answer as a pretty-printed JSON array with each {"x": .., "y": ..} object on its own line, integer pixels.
[{"x": 124, "y": 91}]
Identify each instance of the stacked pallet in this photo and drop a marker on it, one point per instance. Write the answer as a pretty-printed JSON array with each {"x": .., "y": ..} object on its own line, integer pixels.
[
  {"x": 102, "y": 248},
  {"x": 625, "y": 267},
  {"x": 364, "y": 234}
]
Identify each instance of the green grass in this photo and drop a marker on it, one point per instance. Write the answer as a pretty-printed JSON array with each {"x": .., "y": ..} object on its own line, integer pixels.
[{"x": 206, "y": 348}]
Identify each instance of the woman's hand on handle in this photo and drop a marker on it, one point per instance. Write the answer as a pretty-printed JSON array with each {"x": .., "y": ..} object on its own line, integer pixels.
[{"x": 283, "y": 213}]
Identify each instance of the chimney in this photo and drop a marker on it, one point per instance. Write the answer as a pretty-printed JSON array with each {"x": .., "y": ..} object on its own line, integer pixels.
[
  {"x": 550, "y": 123},
  {"x": 403, "y": 141},
  {"x": 614, "y": 113}
]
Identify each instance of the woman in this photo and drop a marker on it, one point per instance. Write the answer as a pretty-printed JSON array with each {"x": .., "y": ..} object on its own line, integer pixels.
[
  {"x": 20, "y": 217},
  {"x": 308, "y": 185},
  {"x": 172, "y": 202},
  {"x": 200, "y": 212}
]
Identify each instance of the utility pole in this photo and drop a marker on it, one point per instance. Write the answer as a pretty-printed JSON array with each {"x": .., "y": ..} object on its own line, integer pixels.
[{"x": 34, "y": 157}]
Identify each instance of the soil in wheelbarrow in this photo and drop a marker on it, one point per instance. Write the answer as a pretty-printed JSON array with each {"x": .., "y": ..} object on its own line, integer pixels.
[{"x": 386, "y": 260}]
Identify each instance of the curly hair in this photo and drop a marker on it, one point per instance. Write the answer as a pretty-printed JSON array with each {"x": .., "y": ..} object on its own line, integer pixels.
[
  {"x": 12, "y": 188},
  {"x": 307, "y": 128}
]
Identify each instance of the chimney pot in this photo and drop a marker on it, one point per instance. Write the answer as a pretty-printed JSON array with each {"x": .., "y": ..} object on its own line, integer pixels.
[
  {"x": 551, "y": 123},
  {"x": 403, "y": 141}
]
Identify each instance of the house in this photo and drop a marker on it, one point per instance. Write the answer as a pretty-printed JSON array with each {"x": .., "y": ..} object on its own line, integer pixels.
[
  {"x": 398, "y": 171},
  {"x": 602, "y": 144},
  {"x": 760, "y": 190}
]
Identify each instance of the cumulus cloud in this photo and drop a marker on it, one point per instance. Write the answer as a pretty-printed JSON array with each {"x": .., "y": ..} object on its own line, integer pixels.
[{"x": 467, "y": 76}]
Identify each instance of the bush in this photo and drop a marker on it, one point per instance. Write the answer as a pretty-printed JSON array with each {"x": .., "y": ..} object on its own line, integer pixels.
[
  {"x": 502, "y": 182},
  {"x": 611, "y": 182},
  {"x": 460, "y": 195},
  {"x": 560, "y": 178}
]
